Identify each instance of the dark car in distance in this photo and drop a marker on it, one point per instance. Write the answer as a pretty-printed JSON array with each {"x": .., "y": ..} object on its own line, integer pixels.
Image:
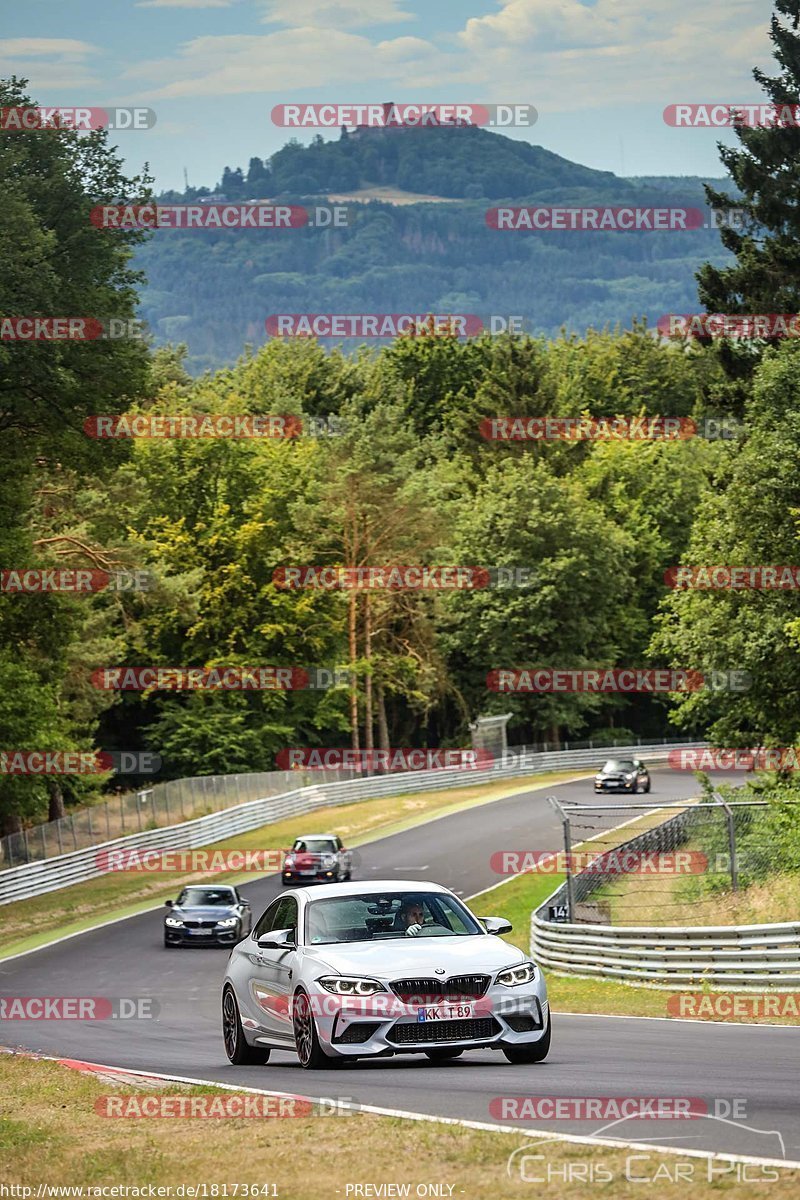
[
  {"x": 623, "y": 775},
  {"x": 204, "y": 915}
]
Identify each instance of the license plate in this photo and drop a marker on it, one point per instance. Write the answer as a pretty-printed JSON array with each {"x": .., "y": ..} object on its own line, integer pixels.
[
  {"x": 445, "y": 1012},
  {"x": 201, "y": 932}
]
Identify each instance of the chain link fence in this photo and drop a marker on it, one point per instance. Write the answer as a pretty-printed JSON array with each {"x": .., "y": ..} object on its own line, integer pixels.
[
  {"x": 169, "y": 803},
  {"x": 678, "y": 856},
  {"x": 155, "y": 807}
]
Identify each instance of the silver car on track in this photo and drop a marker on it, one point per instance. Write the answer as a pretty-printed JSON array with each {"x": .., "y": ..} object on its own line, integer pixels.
[{"x": 357, "y": 970}]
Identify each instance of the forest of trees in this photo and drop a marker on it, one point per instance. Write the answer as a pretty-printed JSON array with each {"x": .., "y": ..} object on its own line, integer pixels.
[
  {"x": 214, "y": 291},
  {"x": 404, "y": 477}
]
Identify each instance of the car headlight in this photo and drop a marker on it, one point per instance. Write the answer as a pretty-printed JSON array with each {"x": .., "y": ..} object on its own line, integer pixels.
[
  {"x": 329, "y": 860},
  {"x": 514, "y": 976},
  {"x": 349, "y": 985},
  {"x": 289, "y": 860},
  {"x": 629, "y": 778},
  {"x": 173, "y": 922},
  {"x": 228, "y": 922}
]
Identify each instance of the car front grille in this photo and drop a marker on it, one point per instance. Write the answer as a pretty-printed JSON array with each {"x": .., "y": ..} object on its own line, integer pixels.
[
  {"x": 199, "y": 924},
  {"x": 466, "y": 987},
  {"x": 406, "y": 1033}
]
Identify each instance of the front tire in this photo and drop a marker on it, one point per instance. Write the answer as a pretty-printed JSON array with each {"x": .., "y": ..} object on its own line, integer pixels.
[
  {"x": 312, "y": 1056},
  {"x": 530, "y": 1054},
  {"x": 238, "y": 1051},
  {"x": 443, "y": 1054},
  {"x": 647, "y": 788}
]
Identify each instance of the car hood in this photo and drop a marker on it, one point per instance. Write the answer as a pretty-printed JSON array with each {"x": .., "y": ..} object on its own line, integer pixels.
[
  {"x": 412, "y": 957},
  {"x": 217, "y": 912}
]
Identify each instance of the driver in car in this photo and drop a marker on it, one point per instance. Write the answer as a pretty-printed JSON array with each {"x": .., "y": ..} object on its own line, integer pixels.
[{"x": 411, "y": 917}]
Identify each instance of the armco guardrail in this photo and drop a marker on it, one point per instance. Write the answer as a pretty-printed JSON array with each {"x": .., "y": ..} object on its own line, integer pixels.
[
  {"x": 36, "y": 878},
  {"x": 665, "y": 956}
]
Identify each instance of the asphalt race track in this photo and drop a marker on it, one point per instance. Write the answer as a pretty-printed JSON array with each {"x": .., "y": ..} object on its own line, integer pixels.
[{"x": 591, "y": 1055}]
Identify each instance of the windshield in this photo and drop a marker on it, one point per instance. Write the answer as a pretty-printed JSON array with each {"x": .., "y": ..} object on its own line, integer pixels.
[
  {"x": 618, "y": 764},
  {"x": 314, "y": 846},
  {"x": 197, "y": 897},
  {"x": 383, "y": 916}
]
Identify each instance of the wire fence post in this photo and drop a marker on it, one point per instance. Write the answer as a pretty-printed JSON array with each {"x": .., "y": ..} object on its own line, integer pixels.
[
  {"x": 731, "y": 841},
  {"x": 568, "y": 855},
  {"x": 564, "y": 818}
]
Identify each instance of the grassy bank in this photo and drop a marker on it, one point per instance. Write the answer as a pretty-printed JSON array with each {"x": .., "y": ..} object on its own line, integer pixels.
[{"x": 51, "y": 1134}]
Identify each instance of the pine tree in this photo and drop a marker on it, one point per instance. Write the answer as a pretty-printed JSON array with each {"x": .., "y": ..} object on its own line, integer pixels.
[{"x": 766, "y": 170}]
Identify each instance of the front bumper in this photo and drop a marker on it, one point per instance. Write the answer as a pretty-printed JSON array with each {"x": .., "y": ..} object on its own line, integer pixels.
[
  {"x": 609, "y": 785},
  {"x": 383, "y": 1025},
  {"x": 202, "y": 937},
  {"x": 322, "y": 875}
]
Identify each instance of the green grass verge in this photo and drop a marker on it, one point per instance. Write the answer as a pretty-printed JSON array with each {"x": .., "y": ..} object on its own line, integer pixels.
[{"x": 52, "y": 1135}]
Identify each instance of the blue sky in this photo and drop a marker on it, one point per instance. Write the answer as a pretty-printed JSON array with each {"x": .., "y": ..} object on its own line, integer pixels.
[{"x": 599, "y": 73}]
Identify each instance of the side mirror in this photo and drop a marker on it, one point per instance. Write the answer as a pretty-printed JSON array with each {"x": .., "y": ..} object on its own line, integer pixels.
[
  {"x": 278, "y": 939},
  {"x": 243, "y": 900},
  {"x": 497, "y": 925},
  {"x": 169, "y": 903}
]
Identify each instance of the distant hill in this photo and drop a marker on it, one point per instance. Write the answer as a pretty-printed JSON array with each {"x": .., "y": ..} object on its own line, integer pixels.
[{"x": 215, "y": 289}]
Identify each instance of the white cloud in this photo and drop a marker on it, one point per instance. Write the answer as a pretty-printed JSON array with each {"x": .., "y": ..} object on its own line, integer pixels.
[
  {"x": 45, "y": 48},
  {"x": 49, "y": 63},
  {"x": 334, "y": 14},
  {"x": 292, "y": 58},
  {"x": 564, "y": 54}
]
